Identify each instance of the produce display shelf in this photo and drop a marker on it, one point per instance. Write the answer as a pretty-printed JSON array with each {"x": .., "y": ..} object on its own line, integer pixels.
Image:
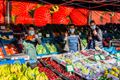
[
  {"x": 7, "y": 41},
  {"x": 46, "y": 55},
  {"x": 62, "y": 62},
  {"x": 17, "y": 56},
  {"x": 54, "y": 70},
  {"x": 21, "y": 61},
  {"x": 64, "y": 65}
]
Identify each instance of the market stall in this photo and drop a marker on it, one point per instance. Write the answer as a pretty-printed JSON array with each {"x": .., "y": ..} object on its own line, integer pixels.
[{"x": 41, "y": 56}]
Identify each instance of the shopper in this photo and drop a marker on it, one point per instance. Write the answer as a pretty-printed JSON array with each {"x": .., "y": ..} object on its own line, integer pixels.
[
  {"x": 94, "y": 36},
  {"x": 72, "y": 40},
  {"x": 30, "y": 43}
]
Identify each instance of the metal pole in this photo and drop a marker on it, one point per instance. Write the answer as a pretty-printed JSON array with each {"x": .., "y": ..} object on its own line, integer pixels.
[{"x": 8, "y": 12}]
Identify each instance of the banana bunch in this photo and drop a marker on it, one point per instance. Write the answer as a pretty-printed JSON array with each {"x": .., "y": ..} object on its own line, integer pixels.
[
  {"x": 41, "y": 76},
  {"x": 15, "y": 68},
  {"x": 23, "y": 68},
  {"x": 114, "y": 71},
  {"x": 20, "y": 72},
  {"x": 30, "y": 74},
  {"x": 68, "y": 61},
  {"x": 36, "y": 71},
  {"x": 23, "y": 78},
  {"x": 9, "y": 77},
  {"x": 4, "y": 70}
]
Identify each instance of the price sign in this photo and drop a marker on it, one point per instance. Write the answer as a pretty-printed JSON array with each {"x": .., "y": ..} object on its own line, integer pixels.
[
  {"x": 118, "y": 62},
  {"x": 70, "y": 68},
  {"x": 11, "y": 36},
  {"x": 2, "y": 27},
  {"x": 40, "y": 34},
  {"x": 47, "y": 35},
  {"x": 102, "y": 57},
  {"x": 118, "y": 55},
  {"x": 97, "y": 57}
]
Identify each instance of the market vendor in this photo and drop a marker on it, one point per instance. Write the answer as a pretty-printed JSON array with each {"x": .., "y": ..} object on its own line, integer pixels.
[
  {"x": 94, "y": 36},
  {"x": 30, "y": 43},
  {"x": 72, "y": 40}
]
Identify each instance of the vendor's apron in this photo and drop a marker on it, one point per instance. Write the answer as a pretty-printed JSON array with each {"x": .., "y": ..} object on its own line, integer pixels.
[
  {"x": 30, "y": 50},
  {"x": 73, "y": 42}
]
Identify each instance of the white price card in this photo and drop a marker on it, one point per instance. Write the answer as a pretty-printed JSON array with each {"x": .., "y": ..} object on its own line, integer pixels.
[
  {"x": 69, "y": 68},
  {"x": 40, "y": 34},
  {"x": 2, "y": 27},
  {"x": 47, "y": 35},
  {"x": 118, "y": 62},
  {"x": 118, "y": 55},
  {"x": 11, "y": 36},
  {"x": 102, "y": 57},
  {"x": 97, "y": 57}
]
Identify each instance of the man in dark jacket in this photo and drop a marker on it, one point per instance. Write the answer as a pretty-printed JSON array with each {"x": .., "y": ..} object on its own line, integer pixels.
[{"x": 94, "y": 36}]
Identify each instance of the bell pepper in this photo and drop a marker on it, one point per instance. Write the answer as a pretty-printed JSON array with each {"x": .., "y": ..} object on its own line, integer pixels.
[
  {"x": 58, "y": 18},
  {"x": 61, "y": 16},
  {"x": 22, "y": 7},
  {"x": 79, "y": 17},
  {"x": 42, "y": 16},
  {"x": 65, "y": 10},
  {"x": 1, "y": 18},
  {"x": 24, "y": 19}
]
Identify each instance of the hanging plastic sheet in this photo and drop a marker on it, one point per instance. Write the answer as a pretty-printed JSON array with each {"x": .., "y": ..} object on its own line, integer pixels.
[
  {"x": 101, "y": 17},
  {"x": 79, "y": 16},
  {"x": 116, "y": 18},
  {"x": 2, "y": 10},
  {"x": 42, "y": 16},
  {"x": 21, "y": 12}
]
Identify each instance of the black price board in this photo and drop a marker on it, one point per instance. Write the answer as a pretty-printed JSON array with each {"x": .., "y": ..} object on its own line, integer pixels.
[{"x": 115, "y": 43}]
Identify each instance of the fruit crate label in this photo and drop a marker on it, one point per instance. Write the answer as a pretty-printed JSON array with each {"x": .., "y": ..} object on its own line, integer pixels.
[
  {"x": 97, "y": 57},
  {"x": 118, "y": 62},
  {"x": 70, "y": 68},
  {"x": 102, "y": 57},
  {"x": 118, "y": 55}
]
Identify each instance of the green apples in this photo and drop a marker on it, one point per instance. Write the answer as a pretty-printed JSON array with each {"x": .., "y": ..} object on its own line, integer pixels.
[
  {"x": 51, "y": 47},
  {"x": 40, "y": 49}
]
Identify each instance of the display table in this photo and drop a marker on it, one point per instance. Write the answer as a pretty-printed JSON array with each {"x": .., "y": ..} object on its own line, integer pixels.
[{"x": 89, "y": 65}]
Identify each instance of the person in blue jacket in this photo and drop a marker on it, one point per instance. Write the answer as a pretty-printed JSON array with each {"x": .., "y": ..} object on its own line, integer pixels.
[{"x": 72, "y": 40}]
